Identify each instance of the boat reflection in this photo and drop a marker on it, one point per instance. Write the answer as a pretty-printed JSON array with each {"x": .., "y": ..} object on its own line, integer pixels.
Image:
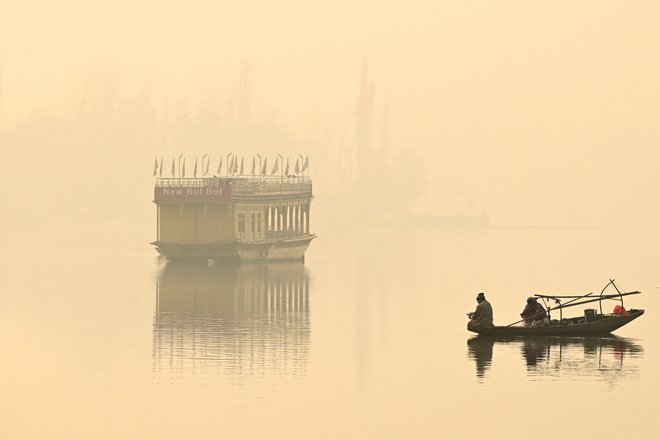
[
  {"x": 608, "y": 357},
  {"x": 233, "y": 319}
]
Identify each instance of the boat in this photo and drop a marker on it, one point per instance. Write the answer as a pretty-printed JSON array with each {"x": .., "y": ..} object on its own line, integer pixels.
[
  {"x": 593, "y": 322},
  {"x": 237, "y": 217}
]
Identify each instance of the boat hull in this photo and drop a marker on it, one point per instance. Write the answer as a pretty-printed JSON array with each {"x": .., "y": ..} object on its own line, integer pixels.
[
  {"x": 290, "y": 249},
  {"x": 603, "y": 326}
]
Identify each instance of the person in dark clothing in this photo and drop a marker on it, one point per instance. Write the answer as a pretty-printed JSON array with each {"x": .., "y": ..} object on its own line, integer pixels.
[
  {"x": 533, "y": 312},
  {"x": 482, "y": 315}
]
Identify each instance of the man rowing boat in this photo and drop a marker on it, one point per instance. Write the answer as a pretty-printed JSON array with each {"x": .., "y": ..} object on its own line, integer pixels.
[{"x": 534, "y": 313}]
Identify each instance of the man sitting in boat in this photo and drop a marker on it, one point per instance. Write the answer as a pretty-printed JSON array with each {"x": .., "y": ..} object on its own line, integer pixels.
[
  {"x": 482, "y": 315},
  {"x": 534, "y": 313}
]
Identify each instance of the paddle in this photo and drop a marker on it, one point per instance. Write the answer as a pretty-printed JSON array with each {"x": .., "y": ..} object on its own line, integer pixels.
[{"x": 529, "y": 317}]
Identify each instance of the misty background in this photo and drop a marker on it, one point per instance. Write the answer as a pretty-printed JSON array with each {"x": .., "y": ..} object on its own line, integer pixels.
[
  {"x": 541, "y": 115},
  {"x": 532, "y": 113}
]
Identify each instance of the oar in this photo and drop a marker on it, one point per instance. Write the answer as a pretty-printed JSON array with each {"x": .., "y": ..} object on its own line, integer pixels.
[{"x": 529, "y": 317}]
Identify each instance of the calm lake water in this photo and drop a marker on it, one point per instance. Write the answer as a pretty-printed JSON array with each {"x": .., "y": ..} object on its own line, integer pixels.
[{"x": 367, "y": 339}]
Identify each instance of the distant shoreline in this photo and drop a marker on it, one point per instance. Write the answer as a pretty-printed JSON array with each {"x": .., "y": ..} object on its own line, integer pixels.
[{"x": 545, "y": 227}]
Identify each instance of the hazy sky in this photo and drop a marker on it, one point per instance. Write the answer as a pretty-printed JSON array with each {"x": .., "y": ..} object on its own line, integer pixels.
[
  {"x": 548, "y": 108},
  {"x": 536, "y": 112}
]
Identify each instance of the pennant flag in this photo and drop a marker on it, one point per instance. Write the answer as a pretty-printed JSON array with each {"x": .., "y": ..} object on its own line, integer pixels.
[
  {"x": 160, "y": 169},
  {"x": 241, "y": 173},
  {"x": 253, "y": 163},
  {"x": 173, "y": 169},
  {"x": 276, "y": 168},
  {"x": 208, "y": 163},
  {"x": 219, "y": 166},
  {"x": 155, "y": 166},
  {"x": 235, "y": 166},
  {"x": 297, "y": 170},
  {"x": 195, "y": 169},
  {"x": 306, "y": 164},
  {"x": 264, "y": 167},
  {"x": 230, "y": 166},
  {"x": 183, "y": 172},
  {"x": 286, "y": 171}
]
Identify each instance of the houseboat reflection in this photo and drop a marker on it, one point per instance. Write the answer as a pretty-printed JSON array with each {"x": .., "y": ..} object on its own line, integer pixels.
[{"x": 243, "y": 319}]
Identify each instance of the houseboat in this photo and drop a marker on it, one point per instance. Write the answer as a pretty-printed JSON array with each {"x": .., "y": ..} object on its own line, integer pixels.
[{"x": 233, "y": 218}]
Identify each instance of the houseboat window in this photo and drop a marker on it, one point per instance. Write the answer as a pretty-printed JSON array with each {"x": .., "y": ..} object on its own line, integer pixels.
[{"x": 241, "y": 222}]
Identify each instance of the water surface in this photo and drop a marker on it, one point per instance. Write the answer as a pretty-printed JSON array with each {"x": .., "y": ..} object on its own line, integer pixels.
[{"x": 367, "y": 339}]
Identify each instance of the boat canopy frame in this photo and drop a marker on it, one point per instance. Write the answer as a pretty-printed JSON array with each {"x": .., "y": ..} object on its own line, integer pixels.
[{"x": 574, "y": 299}]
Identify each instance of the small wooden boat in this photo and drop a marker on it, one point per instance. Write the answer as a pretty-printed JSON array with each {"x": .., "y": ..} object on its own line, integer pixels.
[
  {"x": 600, "y": 325},
  {"x": 592, "y": 323}
]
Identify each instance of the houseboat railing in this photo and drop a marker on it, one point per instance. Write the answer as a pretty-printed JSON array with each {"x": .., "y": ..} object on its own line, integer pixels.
[
  {"x": 244, "y": 185},
  {"x": 269, "y": 235}
]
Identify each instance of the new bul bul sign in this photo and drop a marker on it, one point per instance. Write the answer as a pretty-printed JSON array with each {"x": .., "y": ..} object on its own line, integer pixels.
[{"x": 164, "y": 193}]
